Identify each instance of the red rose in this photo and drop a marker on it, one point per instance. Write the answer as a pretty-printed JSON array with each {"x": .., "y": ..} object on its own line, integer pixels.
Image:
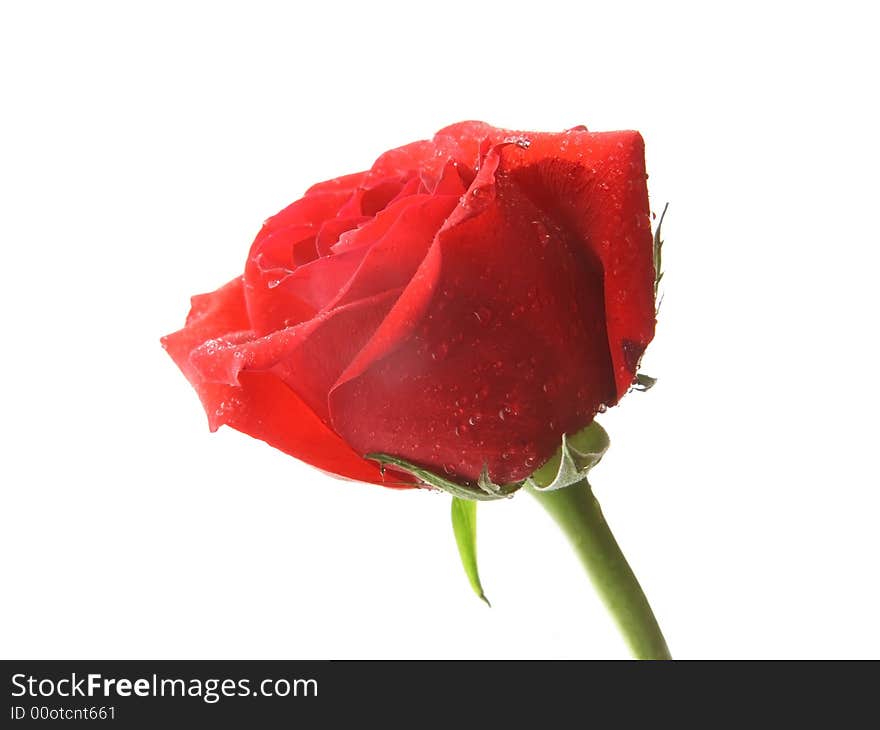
[{"x": 461, "y": 305}]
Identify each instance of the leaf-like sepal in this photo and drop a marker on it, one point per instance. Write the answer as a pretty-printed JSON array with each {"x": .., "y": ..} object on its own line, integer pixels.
[
  {"x": 578, "y": 453},
  {"x": 658, "y": 252},
  {"x": 464, "y": 526},
  {"x": 484, "y": 490}
]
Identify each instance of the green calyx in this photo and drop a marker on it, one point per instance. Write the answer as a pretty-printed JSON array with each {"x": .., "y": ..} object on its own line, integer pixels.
[
  {"x": 481, "y": 491},
  {"x": 577, "y": 454},
  {"x": 573, "y": 460},
  {"x": 658, "y": 252}
]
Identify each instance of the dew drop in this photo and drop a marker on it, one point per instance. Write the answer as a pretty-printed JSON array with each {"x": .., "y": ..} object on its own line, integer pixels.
[
  {"x": 474, "y": 420},
  {"x": 521, "y": 142},
  {"x": 483, "y": 315},
  {"x": 440, "y": 351},
  {"x": 542, "y": 233},
  {"x": 449, "y": 468}
]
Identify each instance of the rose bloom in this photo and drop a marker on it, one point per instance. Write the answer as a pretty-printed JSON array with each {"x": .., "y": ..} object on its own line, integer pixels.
[{"x": 461, "y": 305}]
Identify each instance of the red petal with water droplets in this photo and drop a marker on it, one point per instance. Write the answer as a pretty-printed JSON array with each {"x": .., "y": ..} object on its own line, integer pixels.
[
  {"x": 260, "y": 404},
  {"x": 517, "y": 331}
]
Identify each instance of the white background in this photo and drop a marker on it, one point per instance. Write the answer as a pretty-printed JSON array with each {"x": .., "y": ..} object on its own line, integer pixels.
[{"x": 144, "y": 143}]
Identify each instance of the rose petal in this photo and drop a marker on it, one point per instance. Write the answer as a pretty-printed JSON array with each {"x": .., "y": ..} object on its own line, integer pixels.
[
  {"x": 401, "y": 161},
  {"x": 373, "y": 230},
  {"x": 261, "y": 406},
  {"x": 279, "y": 299},
  {"x": 595, "y": 184},
  {"x": 338, "y": 184},
  {"x": 309, "y": 357},
  {"x": 390, "y": 262},
  {"x": 372, "y": 197},
  {"x": 330, "y": 231},
  {"x": 436, "y": 382},
  {"x": 453, "y": 180},
  {"x": 311, "y": 210},
  {"x": 328, "y": 344}
]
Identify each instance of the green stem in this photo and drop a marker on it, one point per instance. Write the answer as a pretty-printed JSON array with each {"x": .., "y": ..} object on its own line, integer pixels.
[{"x": 577, "y": 512}]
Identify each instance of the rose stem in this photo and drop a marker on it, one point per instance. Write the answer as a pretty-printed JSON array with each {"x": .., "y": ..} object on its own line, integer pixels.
[{"x": 578, "y": 514}]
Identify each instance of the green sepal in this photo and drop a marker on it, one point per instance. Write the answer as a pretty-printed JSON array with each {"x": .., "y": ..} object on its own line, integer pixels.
[
  {"x": 464, "y": 525},
  {"x": 578, "y": 453},
  {"x": 484, "y": 490},
  {"x": 658, "y": 251},
  {"x": 644, "y": 382}
]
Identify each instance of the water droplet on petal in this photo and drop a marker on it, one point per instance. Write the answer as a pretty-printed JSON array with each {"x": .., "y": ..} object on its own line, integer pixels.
[
  {"x": 483, "y": 315},
  {"x": 440, "y": 351},
  {"x": 541, "y": 232},
  {"x": 521, "y": 142}
]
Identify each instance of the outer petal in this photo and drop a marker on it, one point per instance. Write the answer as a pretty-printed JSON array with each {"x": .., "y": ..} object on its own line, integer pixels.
[
  {"x": 311, "y": 210},
  {"x": 401, "y": 161},
  {"x": 594, "y": 184},
  {"x": 261, "y": 405},
  {"x": 338, "y": 184},
  {"x": 468, "y": 142},
  {"x": 503, "y": 331},
  {"x": 309, "y": 357}
]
